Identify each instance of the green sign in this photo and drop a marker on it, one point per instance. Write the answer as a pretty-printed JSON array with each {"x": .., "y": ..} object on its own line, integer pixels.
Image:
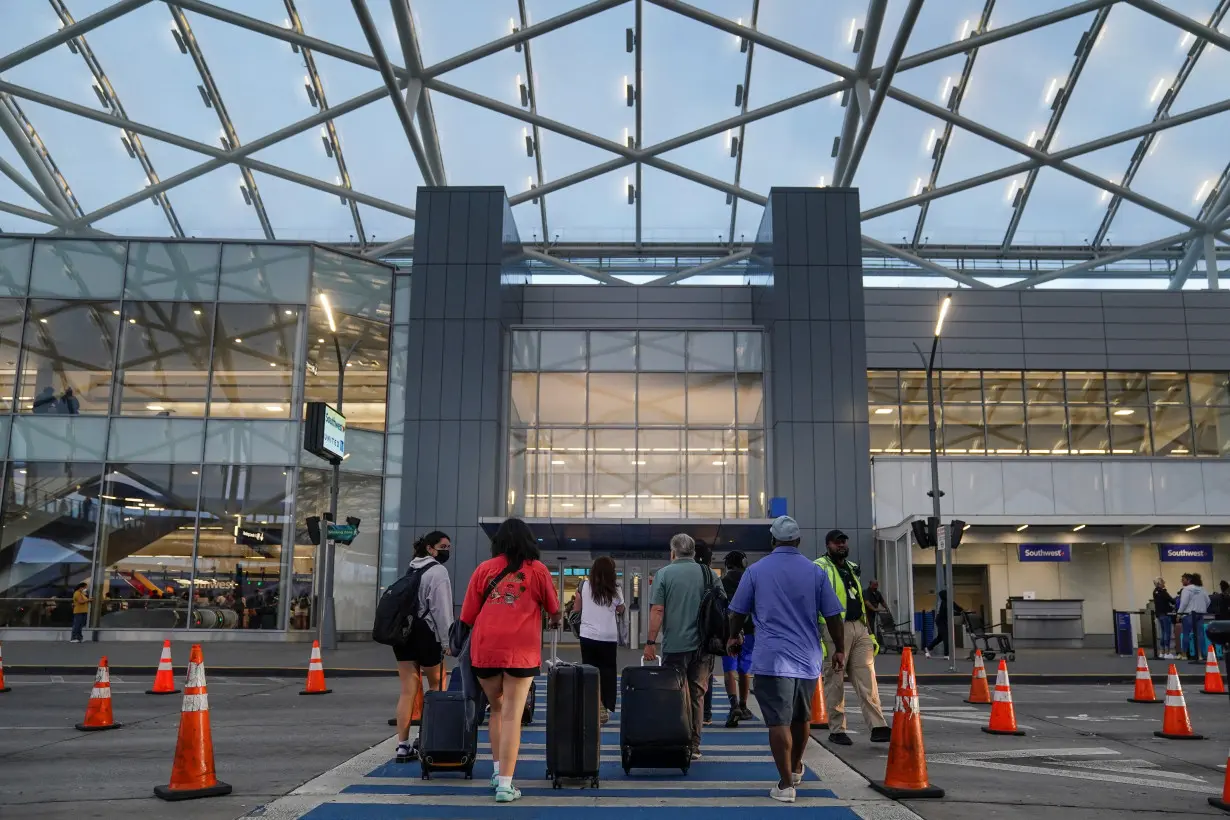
[{"x": 343, "y": 532}]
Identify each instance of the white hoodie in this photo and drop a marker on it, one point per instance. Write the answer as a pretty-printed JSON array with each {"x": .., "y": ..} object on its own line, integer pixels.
[
  {"x": 435, "y": 597},
  {"x": 1193, "y": 598}
]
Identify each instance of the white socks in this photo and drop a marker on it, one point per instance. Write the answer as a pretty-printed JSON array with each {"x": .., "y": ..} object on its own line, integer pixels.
[
  {"x": 496, "y": 772},
  {"x": 503, "y": 782}
]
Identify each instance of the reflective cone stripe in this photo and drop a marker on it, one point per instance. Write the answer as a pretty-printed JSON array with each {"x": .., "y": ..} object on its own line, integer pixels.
[
  {"x": 164, "y": 678},
  {"x": 3, "y": 688},
  {"x": 978, "y": 690},
  {"x": 98, "y": 711},
  {"x": 1223, "y": 802},
  {"x": 316, "y": 674},
  {"x": 1144, "y": 681},
  {"x": 906, "y": 772},
  {"x": 1175, "y": 723},
  {"x": 1003, "y": 716},
  {"x": 819, "y": 712},
  {"x": 1213, "y": 684},
  {"x": 192, "y": 773}
]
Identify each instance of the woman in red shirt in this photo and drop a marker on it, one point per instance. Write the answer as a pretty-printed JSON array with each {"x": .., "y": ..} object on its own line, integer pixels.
[{"x": 506, "y": 642}]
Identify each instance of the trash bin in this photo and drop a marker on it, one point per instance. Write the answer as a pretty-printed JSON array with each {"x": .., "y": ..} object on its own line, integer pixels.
[{"x": 1125, "y": 636}]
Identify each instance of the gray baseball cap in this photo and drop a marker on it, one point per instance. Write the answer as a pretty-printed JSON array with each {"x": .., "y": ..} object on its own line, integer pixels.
[{"x": 785, "y": 528}]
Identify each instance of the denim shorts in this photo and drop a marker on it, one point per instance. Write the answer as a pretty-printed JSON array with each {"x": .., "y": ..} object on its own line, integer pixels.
[
  {"x": 741, "y": 663},
  {"x": 784, "y": 700}
]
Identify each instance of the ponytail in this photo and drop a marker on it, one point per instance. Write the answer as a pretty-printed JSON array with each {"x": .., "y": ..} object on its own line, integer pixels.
[{"x": 429, "y": 540}]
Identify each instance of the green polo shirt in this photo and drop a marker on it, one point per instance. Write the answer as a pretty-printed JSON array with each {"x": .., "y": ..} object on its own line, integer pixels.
[{"x": 678, "y": 588}]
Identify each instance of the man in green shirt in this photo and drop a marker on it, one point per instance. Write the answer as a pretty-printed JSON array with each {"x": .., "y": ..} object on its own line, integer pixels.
[{"x": 674, "y": 606}]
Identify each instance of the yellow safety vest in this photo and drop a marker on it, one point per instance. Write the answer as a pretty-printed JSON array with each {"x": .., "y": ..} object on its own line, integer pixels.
[{"x": 839, "y": 586}]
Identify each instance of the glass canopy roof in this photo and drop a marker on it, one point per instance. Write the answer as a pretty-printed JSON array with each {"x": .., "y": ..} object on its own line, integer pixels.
[{"x": 1004, "y": 124}]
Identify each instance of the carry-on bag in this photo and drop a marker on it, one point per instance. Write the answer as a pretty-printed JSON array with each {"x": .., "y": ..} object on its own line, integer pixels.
[
  {"x": 655, "y": 727},
  {"x": 448, "y": 741},
  {"x": 574, "y": 736}
]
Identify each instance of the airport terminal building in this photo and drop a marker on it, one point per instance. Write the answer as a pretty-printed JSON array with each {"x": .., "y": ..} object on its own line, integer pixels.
[{"x": 154, "y": 392}]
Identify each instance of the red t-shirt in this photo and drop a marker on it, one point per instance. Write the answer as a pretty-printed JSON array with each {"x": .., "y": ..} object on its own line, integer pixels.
[{"x": 508, "y": 631}]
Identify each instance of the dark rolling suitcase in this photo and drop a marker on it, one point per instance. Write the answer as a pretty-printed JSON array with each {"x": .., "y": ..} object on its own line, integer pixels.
[
  {"x": 574, "y": 736},
  {"x": 531, "y": 703},
  {"x": 449, "y": 737},
  {"x": 655, "y": 730}
]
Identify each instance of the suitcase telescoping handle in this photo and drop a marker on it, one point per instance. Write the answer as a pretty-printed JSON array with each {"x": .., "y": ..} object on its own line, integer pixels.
[{"x": 643, "y": 660}]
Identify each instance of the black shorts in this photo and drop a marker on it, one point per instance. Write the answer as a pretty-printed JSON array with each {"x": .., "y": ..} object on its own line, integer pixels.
[
  {"x": 423, "y": 648},
  {"x": 495, "y": 671}
]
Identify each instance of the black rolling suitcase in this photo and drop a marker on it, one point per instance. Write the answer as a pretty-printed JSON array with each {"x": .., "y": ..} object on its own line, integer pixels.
[
  {"x": 655, "y": 727},
  {"x": 449, "y": 738},
  {"x": 531, "y": 703},
  {"x": 574, "y": 736}
]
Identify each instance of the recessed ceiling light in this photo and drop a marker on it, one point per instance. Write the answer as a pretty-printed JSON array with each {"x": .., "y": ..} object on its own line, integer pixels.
[
  {"x": 1192, "y": 527},
  {"x": 197, "y": 311},
  {"x": 557, "y": 461},
  {"x": 274, "y": 408},
  {"x": 320, "y": 341},
  {"x": 239, "y": 341},
  {"x": 155, "y": 407},
  {"x": 196, "y": 472},
  {"x": 289, "y": 312},
  {"x": 116, "y": 312},
  {"x": 44, "y": 321},
  {"x": 883, "y": 411},
  {"x": 1078, "y": 528},
  {"x": 966, "y": 527},
  {"x": 719, "y": 464},
  {"x": 1022, "y": 528},
  {"x": 1126, "y": 411}
]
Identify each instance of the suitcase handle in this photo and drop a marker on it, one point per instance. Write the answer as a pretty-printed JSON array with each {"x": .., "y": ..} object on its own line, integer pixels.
[{"x": 659, "y": 660}]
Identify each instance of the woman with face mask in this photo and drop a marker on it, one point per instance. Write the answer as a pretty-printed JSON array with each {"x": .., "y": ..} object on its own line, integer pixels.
[{"x": 423, "y": 655}]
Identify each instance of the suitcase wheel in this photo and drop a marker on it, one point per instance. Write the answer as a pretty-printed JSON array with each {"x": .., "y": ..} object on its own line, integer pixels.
[
  {"x": 555, "y": 784},
  {"x": 593, "y": 784}
]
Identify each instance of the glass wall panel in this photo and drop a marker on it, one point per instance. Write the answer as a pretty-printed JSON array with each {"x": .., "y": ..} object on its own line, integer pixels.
[
  {"x": 354, "y": 288},
  {"x": 1044, "y": 387},
  {"x": 69, "y": 357},
  {"x": 749, "y": 351},
  {"x": 1005, "y": 429},
  {"x": 525, "y": 350},
  {"x": 78, "y": 268},
  {"x": 1002, "y": 387},
  {"x": 661, "y": 398},
  {"x": 1168, "y": 389},
  {"x": 401, "y": 300},
  {"x": 561, "y": 398},
  {"x": 1172, "y": 430},
  {"x": 59, "y": 438},
  {"x": 1210, "y": 389},
  {"x": 1047, "y": 429},
  {"x": 711, "y": 399},
  {"x": 363, "y": 346},
  {"x": 178, "y": 271},
  {"x": 264, "y": 273},
  {"x": 711, "y": 350},
  {"x": 156, "y": 440},
  {"x": 393, "y": 450},
  {"x": 662, "y": 350},
  {"x": 754, "y": 469},
  {"x": 1126, "y": 389},
  {"x": 1129, "y": 432},
  {"x": 522, "y": 458},
  {"x": 1212, "y": 430},
  {"x": 245, "y": 521},
  {"x": 751, "y": 399},
  {"x": 1085, "y": 387},
  {"x": 708, "y": 452},
  {"x": 915, "y": 434},
  {"x": 612, "y": 398},
  {"x": 399, "y": 356},
  {"x": 561, "y": 466},
  {"x": 149, "y": 518},
  {"x": 964, "y": 433},
  {"x": 885, "y": 430},
  {"x": 364, "y": 451},
  {"x": 1088, "y": 429},
  {"x": 660, "y": 479},
  {"x": 612, "y": 350},
  {"x": 251, "y": 442},
  {"x": 914, "y": 387},
  {"x": 15, "y": 266},
  {"x": 613, "y": 487},
  {"x": 46, "y": 540},
  {"x": 562, "y": 350},
  {"x": 883, "y": 388},
  {"x": 12, "y": 319},
  {"x": 390, "y": 535},
  {"x": 961, "y": 386},
  {"x": 164, "y": 359},
  {"x": 254, "y": 361},
  {"x": 523, "y": 409}
]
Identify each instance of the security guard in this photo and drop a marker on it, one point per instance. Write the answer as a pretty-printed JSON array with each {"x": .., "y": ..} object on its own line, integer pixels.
[{"x": 861, "y": 647}]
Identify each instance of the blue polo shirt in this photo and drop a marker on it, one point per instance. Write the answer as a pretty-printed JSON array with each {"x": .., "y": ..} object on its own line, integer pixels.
[{"x": 784, "y": 592}]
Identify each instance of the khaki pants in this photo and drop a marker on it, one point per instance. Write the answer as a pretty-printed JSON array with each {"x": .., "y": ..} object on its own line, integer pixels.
[{"x": 860, "y": 669}]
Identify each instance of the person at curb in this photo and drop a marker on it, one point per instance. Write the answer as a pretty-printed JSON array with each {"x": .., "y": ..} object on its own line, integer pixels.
[
  {"x": 785, "y": 594},
  {"x": 1164, "y": 611},
  {"x": 738, "y": 668},
  {"x": 860, "y": 646},
  {"x": 81, "y": 610},
  {"x": 422, "y": 657}
]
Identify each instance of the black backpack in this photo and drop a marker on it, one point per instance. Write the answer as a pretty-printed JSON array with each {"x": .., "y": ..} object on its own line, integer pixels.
[
  {"x": 711, "y": 620},
  {"x": 398, "y": 608}
]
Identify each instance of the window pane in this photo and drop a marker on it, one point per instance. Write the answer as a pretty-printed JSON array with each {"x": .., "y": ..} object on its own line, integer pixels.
[
  {"x": 1212, "y": 431},
  {"x": 915, "y": 435},
  {"x": 660, "y": 398},
  {"x": 48, "y": 530},
  {"x": 711, "y": 351},
  {"x": 659, "y": 466},
  {"x": 1002, "y": 386},
  {"x": 390, "y": 537},
  {"x": 365, "y": 346},
  {"x": 521, "y": 446},
  {"x": 749, "y": 351},
  {"x": 755, "y": 469},
  {"x": 251, "y": 442},
  {"x": 612, "y": 350},
  {"x": 1210, "y": 389},
  {"x": 883, "y": 387},
  {"x": 164, "y": 358},
  {"x": 563, "y": 350},
  {"x": 155, "y": 440},
  {"x": 523, "y": 409},
  {"x": 711, "y": 399},
  {"x": 662, "y": 350},
  {"x": 1168, "y": 388},
  {"x": 1129, "y": 432},
  {"x": 561, "y": 398},
  {"x": 1089, "y": 431},
  {"x": 70, "y": 350},
  {"x": 562, "y": 470},
  {"x": 1048, "y": 429},
  {"x": 1043, "y": 388},
  {"x": 1126, "y": 388},
  {"x": 355, "y": 288},
  {"x": 12, "y": 317},
  {"x": 525, "y": 350},
  {"x": 80, "y": 268},
  {"x": 15, "y": 266},
  {"x": 149, "y": 517},
  {"x": 914, "y": 386},
  {"x": 393, "y": 452},
  {"x": 179, "y": 271},
  {"x": 708, "y": 451},
  {"x": 961, "y": 386},
  {"x": 1085, "y": 388},
  {"x": 963, "y": 430},
  {"x": 364, "y": 452},
  {"x": 264, "y": 273},
  {"x": 254, "y": 362},
  {"x": 1172, "y": 430},
  {"x": 613, "y": 489},
  {"x": 885, "y": 430},
  {"x": 399, "y": 357},
  {"x": 401, "y": 300},
  {"x": 1005, "y": 429},
  {"x": 612, "y": 398},
  {"x": 55, "y": 438},
  {"x": 751, "y": 399}
]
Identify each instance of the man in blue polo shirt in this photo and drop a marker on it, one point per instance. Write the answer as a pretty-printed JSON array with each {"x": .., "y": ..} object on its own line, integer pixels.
[{"x": 783, "y": 593}]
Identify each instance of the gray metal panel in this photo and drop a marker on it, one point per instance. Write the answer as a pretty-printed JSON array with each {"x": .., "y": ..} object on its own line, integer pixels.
[
  {"x": 858, "y": 364},
  {"x": 796, "y": 227},
  {"x": 1125, "y": 347},
  {"x": 1064, "y": 330},
  {"x": 492, "y": 384},
  {"x": 782, "y": 479},
  {"x": 535, "y": 313},
  {"x": 971, "y": 361},
  {"x": 427, "y": 468},
  {"x": 835, "y": 252},
  {"x": 827, "y": 475},
  {"x": 822, "y": 372},
  {"x": 435, "y": 285},
  {"x": 433, "y": 354},
  {"x": 800, "y": 373},
  {"x": 1061, "y": 315},
  {"x": 494, "y": 291},
  {"x": 422, "y": 226},
  {"x": 456, "y": 277},
  {"x": 1144, "y": 332},
  {"x": 458, "y": 226},
  {"x": 779, "y": 339},
  {"x": 1060, "y": 298},
  {"x": 952, "y": 345},
  {"x": 496, "y": 202},
  {"x": 804, "y": 469},
  {"x": 854, "y": 232},
  {"x": 862, "y": 475},
  {"x": 478, "y": 220},
  {"x": 566, "y": 312},
  {"x": 843, "y": 370},
  {"x": 409, "y": 479},
  {"x": 838, "y": 280},
  {"x": 472, "y": 353},
  {"x": 845, "y": 459},
  {"x": 1143, "y": 315},
  {"x": 1205, "y": 315},
  {"x": 475, "y": 292},
  {"x": 1136, "y": 299},
  {"x": 739, "y": 313},
  {"x": 683, "y": 295},
  {"x": 447, "y": 466},
  {"x": 469, "y": 457},
  {"x": 1073, "y": 346},
  {"x": 1207, "y": 299},
  {"x": 1065, "y": 361},
  {"x": 437, "y": 239},
  {"x": 801, "y": 284},
  {"x": 1145, "y": 361},
  {"x": 488, "y": 460},
  {"x": 1199, "y": 333},
  {"x": 695, "y": 311},
  {"x": 452, "y": 373}
]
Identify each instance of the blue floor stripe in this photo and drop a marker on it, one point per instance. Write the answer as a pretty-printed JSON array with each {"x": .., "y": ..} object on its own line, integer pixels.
[
  {"x": 515, "y": 811},
  {"x": 752, "y": 739},
  {"x": 532, "y": 770},
  {"x": 575, "y": 790}
]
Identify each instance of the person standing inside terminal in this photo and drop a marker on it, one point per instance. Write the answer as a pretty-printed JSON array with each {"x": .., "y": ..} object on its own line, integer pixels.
[
  {"x": 1163, "y": 611},
  {"x": 600, "y": 603},
  {"x": 81, "y": 610},
  {"x": 941, "y": 622},
  {"x": 859, "y": 644},
  {"x": 1193, "y": 604},
  {"x": 421, "y": 659}
]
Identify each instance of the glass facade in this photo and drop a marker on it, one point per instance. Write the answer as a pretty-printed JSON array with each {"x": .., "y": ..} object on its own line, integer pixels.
[
  {"x": 151, "y": 395},
  {"x": 636, "y": 424},
  {"x": 1078, "y": 413}
]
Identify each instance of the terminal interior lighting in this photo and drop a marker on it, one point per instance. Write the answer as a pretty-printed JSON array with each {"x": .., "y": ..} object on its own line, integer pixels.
[
  {"x": 1078, "y": 528},
  {"x": 1191, "y": 528},
  {"x": 324, "y": 302},
  {"x": 1022, "y": 528},
  {"x": 939, "y": 323}
]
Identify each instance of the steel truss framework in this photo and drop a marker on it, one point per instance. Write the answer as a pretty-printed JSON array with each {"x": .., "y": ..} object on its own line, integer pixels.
[{"x": 863, "y": 87}]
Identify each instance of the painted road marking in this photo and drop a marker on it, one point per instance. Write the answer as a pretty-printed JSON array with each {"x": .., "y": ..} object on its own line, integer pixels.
[
  {"x": 1050, "y": 764},
  {"x": 1100, "y": 718}
]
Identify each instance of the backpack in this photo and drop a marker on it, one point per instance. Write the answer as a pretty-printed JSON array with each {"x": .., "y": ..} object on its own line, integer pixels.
[
  {"x": 398, "y": 608},
  {"x": 711, "y": 620}
]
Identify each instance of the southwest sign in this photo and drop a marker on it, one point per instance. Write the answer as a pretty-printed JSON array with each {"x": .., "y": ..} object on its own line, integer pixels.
[
  {"x": 1177, "y": 553},
  {"x": 1050, "y": 553}
]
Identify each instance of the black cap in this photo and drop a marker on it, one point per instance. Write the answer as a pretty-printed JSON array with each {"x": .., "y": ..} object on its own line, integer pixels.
[
  {"x": 834, "y": 536},
  {"x": 735, "y": 557}
]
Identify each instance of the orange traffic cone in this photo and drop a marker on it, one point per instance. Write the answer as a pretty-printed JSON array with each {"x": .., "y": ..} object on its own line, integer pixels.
[
  {"x": 192, "y": 773},
  {"x": 819, "y": 713},
  {"x": 906, "y": 773},
  {"x": 1175, "y": 723},
  {"x": 98, "y": 712},
  {"x": 164, "y": 678},
  {"x": 1213, "y": 684},
  {"x": 1003, "y": 716},
  {"x": 3, "y": 688},
  {"x": 1144, "y": 681},
  {"x": 316, "y": 674},
  {"x": 1223, "y": 802},
  {"x": 978, "y": 691}
]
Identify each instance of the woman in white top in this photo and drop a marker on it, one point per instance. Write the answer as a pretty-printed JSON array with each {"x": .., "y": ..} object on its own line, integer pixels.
[{"x": 600, "y": 602}]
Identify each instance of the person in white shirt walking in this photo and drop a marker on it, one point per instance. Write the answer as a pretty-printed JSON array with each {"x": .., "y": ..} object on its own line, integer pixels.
[{"x": 601, "y": 605}]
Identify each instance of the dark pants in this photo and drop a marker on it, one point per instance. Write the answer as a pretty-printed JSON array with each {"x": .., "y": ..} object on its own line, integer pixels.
[
  {"x": 78, "y": 625},
  {"x": 941, "y": 636},
  {"x": 604, "y": 655},
  {"x": 709, "y": 699},
  {"x": 697, "y": 667}
]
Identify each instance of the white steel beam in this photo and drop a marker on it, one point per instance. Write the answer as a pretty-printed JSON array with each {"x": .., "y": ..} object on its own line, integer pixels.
[
  {"x": 82, "y": 26},
  {"x": 406, "y": 34},
  {"x": 29, "y": 146},
  {"x": 571, "y": 267},
  {"x": 36, "y": 216},
  {"x": 58, "y": 216},
  {"x": 926, "y": 264},
  {"x": 712, "y": 264},
  {"x": 1210, "y": 261},
  {"x": 536, "y": 134},
  {"x": 637, "y": 99},
  {"x": 862, "y": 68},
  {"x": 1213, "y": 209},
  {"x": 743, "y": 106},
  {"x": 1099, "y": 261}
]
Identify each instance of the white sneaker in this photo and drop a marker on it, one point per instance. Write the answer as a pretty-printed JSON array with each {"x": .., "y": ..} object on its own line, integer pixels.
[
  {"x": 927, "y": 653},
  {"x": 783, "y": 795},
  {"x": 797, "y": 777}
]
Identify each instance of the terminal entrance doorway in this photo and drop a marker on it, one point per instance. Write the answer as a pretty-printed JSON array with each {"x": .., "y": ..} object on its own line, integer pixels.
[{"x": 971, "y": 583}]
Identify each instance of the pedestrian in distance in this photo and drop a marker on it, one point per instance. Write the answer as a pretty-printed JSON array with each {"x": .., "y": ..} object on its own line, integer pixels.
[
  {"x": 737, "y": 668},
  {"x": 941, "y": 622},
  {"x": 1193, "y": 604},
  {"x": 704, "y": 557},
  {"x": 506, "y": 641},
  {"x": 785, "y": 595},
  {"x": 69, "y": 405},
  {"x": 45, "y": 402},
  {"x": 81, "y": 611},
  {"x": 421, "y": 657},
  {"x": 875, "y": 605},
  {"x": 1219, "y": 603},
  {"x": 600, "y": 603},
  {"x": 860, "y": 647},
  {"x": 1164, "y": 611},
  {"x": 678, "y": 589}
]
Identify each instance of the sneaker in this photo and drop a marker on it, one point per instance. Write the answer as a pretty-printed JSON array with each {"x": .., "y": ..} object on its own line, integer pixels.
[
  {"x": 405, "y": 752},
  {"x": 696, "y": 754},
  {"x": 927, "y": 653},
  {"x": 881, "y": 734},
  {"x": 841, "y": 739},
  {"x": 732, "y": 722},
  {"x": 783, "y": 795},
  {"x": 507, "y": 794},
  {"x": 745, "y": 713},
  {"x": 796, "y": 777},
  {"x": 495, "y": 782}
]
